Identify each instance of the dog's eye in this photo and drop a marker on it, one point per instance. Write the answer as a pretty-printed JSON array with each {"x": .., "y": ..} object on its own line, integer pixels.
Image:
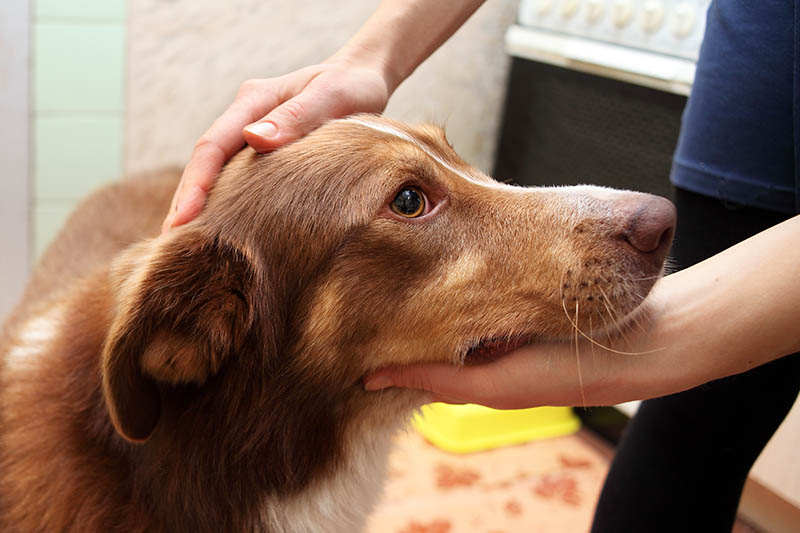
[{"x": 409, "y": 203}]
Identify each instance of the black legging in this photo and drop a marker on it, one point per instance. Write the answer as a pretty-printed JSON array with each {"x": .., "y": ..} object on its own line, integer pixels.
[{"x": 684, "y": 458}]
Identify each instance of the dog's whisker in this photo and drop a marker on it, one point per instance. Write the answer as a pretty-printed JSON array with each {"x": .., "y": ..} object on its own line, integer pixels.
[
  {"x": 606, "y": 328},
  {"x": 620, "y": 352},
  {"x": 615, "y": 315},
  {"x": 648, "y": 278},
  {"x": 637, "y": 319},
  {"x": 591, "y": 345},
  {"x": 578, "y": 357},
  {"x": 611, "y": 313}
]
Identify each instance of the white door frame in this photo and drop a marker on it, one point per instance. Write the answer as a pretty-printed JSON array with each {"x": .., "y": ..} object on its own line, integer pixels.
[{"x": 15, "y": 182}]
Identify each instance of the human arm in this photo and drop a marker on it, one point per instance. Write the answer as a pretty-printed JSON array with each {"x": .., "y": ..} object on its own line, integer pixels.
[
  {"x": 737, "y": 310},
  {"x": 360, "y": 77}
]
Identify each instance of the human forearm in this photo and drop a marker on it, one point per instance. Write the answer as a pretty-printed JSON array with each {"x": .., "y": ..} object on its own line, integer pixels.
[
  {"x": 736, "y": 310},
  {"x": 401, "y": 34}
]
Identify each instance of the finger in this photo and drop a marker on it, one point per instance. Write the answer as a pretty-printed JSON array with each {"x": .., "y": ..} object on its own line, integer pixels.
[
  {"x": 225, "y": 133},
  {"x": 294, "y": 119},
  {"x": 198, "y": 177},
  {"x": 199, "y": 173},
  {"x": 511, "y": 382},
  {"x": 444, "y": 381},
  {"x": 383, "y": 379},
  {"x": 448, "y": 399},
  {"x": 192, "y": 202},
  {"x": 222, "y": 140}
]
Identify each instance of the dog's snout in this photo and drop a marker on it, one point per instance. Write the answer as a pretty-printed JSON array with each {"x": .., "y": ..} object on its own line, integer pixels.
[{"x": 649, "y": 224}]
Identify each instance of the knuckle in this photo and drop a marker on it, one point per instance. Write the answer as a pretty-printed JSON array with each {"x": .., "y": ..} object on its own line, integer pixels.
[
  {"x": 426, "y": 384},
  {"x": 206, "y": 147},
  {"x": 203, "y": 143},
  {"x": 340, "y": 91},
  {"x": 249, "y": 86},
  {"x": 418, "y": 380},
  {"x": 294, "y": 110},
  {"x": 341, "y": 95},
  {"x": 336, "y": 92}
]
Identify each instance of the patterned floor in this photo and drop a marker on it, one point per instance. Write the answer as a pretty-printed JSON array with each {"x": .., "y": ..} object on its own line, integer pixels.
[
  {"x": 538, "y": 487},
  {"x": 545, "y": 486}
]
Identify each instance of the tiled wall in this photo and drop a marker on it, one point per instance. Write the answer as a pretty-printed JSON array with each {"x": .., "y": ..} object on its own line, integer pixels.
[{"x": 78, "y": 105}]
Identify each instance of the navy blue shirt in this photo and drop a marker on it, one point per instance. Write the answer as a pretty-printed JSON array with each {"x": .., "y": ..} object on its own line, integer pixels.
[{"x": 738, "y": 138}]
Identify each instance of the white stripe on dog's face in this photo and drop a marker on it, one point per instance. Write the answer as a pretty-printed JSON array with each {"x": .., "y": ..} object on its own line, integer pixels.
[{"x": 389, "y": 130}]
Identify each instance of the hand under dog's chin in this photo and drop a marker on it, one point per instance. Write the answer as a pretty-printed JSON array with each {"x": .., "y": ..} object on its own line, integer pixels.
[{"x": 494, "y": 348}]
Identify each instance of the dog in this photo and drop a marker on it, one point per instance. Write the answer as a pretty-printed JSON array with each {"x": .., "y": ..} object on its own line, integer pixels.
[{"x": 210, "y": 378}]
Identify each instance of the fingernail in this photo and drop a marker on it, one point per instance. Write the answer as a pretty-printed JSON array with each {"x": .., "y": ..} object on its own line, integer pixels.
[
  {"x": 377, "y": 382},
  {"x": 263, "y": 129}
]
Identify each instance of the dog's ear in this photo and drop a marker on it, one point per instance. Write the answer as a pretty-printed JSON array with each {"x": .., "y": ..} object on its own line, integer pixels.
[{"x": 183, "y": 305}]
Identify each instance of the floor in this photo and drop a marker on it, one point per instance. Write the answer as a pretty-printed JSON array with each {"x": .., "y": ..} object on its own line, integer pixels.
[
  {"x": 543, "y": 486},
  {"x": 539, "y": 487}
]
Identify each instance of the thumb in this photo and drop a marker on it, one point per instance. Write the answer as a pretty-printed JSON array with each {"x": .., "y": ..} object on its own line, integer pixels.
[
  {"x": 290, "y": 121},
  {"x": 447, "y": 383}
]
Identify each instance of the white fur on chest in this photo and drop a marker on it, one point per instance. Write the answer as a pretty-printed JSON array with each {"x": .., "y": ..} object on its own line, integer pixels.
[
  {"x": 341, "y": 502},
  {"x": 33, "y": 338}
]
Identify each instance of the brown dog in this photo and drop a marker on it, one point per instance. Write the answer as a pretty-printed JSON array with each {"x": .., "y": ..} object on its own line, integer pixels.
[{"x": 209, "y": 379}]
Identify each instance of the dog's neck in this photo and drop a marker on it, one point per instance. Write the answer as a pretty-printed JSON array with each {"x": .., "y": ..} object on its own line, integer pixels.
[{"x": 314, "y": 454}]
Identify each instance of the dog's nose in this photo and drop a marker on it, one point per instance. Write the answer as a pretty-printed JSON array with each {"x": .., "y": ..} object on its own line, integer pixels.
[{"x": 649, "y": 224}]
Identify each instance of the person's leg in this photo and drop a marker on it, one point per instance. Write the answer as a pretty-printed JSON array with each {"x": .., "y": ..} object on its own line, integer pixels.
[{"x": 683, "y": 459}]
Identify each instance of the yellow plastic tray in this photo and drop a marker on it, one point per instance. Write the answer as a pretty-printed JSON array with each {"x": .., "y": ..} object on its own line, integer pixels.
[{"x": 471, "y": 428}]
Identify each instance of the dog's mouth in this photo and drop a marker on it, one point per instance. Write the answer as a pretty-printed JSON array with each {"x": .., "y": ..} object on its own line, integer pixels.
[{"x": 492, "y": 348}]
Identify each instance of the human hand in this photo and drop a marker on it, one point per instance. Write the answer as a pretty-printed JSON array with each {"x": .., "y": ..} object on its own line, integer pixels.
[
  {"x": 268, "y": 113},
  {"x": 530, "y": 376},
  {"x": 650, "y": 358}
]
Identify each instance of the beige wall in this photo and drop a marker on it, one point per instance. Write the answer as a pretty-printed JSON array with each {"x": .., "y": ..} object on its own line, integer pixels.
[
  {"x": 188, "y": 57},
  {"x": 14, "y": 149}
]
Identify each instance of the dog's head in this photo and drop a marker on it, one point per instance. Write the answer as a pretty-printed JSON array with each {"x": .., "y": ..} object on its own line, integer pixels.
[{"x": 365, "y": 244}]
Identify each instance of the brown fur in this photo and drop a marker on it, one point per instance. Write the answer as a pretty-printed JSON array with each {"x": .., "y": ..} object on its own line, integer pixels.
[{"x": 196, "y": 380}]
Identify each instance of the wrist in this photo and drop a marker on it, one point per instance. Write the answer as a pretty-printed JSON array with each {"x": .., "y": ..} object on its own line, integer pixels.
[
  {"x": 363, "y": 56},
  {"x": 649, "y": 359},
  {"x": 685, "y": 322}
]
